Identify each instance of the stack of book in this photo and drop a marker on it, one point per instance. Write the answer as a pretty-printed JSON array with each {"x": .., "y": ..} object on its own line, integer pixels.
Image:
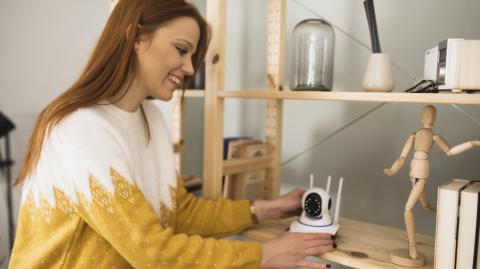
[{"x": 458, "y": 220}]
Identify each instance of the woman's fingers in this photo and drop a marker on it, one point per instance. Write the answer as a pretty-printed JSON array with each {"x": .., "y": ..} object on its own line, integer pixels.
[
  {"x": 318, "y": 250},
  {"x": 315, "y": 265},
  {"x": 299, "y": 193},
  {"x": 314, "y": 236},
  {"x": 290, "y": 249},
  {"x": 321, "y": 242}
]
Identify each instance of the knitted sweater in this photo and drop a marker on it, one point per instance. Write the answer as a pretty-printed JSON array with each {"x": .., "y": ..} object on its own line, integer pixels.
[{"x": 103, "y": 195}]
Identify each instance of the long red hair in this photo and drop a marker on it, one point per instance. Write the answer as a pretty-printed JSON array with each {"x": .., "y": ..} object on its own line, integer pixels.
[{"x": 112, "y": 65}]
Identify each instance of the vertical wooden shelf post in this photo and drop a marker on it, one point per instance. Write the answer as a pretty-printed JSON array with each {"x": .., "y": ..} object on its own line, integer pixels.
[
  {"x": 275, "y": 78},
  {"x": 178, "y": 130},
  {"x": 214, "y": 106}
]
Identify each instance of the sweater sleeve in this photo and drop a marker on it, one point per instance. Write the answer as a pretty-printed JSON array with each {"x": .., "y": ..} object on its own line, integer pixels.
[
  {"x": 111, "y": 203},
  {"x": 218, "y": 218},
  {"x": 126, "y": 220}
]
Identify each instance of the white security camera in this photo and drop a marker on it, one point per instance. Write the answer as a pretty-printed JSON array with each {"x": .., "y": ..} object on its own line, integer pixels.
[{"x": 316, "y": 215}]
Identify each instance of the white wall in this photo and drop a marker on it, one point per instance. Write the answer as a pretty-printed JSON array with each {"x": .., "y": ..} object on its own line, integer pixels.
[{"x": 45, "y": 45}]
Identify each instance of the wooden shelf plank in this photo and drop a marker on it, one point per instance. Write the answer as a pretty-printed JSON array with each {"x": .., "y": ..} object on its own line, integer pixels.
[
  {"x": 360, "y": 244},
  {"x": 242, "y": 165},
  {"x": 193, "y": 93},
  {"x": 391, "y": 97}
]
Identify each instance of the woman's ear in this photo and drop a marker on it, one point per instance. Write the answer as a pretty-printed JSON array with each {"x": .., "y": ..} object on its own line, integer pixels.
[
  {"x": 136, "y": 46},
  {"x": 128, "y": 31},
  {"x": 128, "y": 35}
]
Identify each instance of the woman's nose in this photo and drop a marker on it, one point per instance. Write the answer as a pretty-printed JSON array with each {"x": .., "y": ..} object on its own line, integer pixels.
[{"x": 188, "y": 68}]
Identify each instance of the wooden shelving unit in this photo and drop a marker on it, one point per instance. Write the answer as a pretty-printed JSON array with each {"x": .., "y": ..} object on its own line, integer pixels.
[
  {"x": 392, "y": 97},
  {"x": 360, "y": 244}
]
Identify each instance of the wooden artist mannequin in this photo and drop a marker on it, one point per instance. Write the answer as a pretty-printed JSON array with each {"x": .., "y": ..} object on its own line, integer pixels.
[{"x": 422, "y": 142}]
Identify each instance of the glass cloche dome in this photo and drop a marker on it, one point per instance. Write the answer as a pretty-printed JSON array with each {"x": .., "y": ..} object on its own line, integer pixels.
[{"x": 312, "y": 56}]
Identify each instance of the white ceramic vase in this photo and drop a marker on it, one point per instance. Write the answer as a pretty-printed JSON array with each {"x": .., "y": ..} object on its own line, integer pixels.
[{"x": 378, "y": 76}]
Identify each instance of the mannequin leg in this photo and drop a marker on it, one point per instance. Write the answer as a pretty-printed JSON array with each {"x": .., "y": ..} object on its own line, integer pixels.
[
  {"x": 425, "y": 204},
  {"x": 417, "y": 190}
]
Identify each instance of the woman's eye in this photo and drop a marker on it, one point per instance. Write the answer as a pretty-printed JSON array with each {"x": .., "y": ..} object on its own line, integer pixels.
[{"x": 181, "y": 51}]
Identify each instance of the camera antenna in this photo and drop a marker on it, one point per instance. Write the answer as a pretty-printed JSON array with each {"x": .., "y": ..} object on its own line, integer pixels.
[
  {"x": 329, "y": 180},
  {"x": 339, "y": 200}
]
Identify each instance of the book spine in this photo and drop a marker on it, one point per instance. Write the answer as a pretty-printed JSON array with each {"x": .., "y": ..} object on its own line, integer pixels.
[
  {"x": 445, "y": 239},
  {"x": 446, "y": 233},
  {"x": 467, "y": 230}
]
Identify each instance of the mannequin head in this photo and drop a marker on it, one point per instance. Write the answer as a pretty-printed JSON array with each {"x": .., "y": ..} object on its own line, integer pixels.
[{"x": 429, "y": 113}]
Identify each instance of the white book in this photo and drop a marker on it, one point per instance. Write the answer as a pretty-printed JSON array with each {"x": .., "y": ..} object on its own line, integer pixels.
[
  {"x": 468, "y": 231},
  {"x": 447, "y": 217}
]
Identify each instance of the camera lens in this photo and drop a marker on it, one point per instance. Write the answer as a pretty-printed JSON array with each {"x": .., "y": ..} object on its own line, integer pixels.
[{"x": 313, "y": 205}]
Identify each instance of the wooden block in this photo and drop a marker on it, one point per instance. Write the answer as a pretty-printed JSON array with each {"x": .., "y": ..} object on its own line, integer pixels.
[{"x": 402, "y": 258}]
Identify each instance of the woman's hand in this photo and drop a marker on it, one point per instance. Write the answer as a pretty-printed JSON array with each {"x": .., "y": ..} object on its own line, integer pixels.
[
  {"x": 290, "y": 250},
  {"x": 476, "y": 142},
  {"x": 287, "y": 205}
]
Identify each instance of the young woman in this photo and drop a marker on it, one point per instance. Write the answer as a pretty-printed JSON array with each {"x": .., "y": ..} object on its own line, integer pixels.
[{"x": 100, "y": 188}]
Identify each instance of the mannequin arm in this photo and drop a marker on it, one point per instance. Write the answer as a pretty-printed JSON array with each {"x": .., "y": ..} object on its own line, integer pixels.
[
  {"x": 442, "y": 143},
  {"x": 463, "y": 147},
  {"x": 397, "y": 165}
]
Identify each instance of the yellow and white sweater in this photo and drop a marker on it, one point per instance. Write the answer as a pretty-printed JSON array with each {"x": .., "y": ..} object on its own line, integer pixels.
[{"x": 102, "y": 197}]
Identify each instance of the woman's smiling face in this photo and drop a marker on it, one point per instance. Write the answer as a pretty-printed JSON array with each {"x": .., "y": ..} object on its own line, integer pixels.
[{"x": 165, "y": 58}]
